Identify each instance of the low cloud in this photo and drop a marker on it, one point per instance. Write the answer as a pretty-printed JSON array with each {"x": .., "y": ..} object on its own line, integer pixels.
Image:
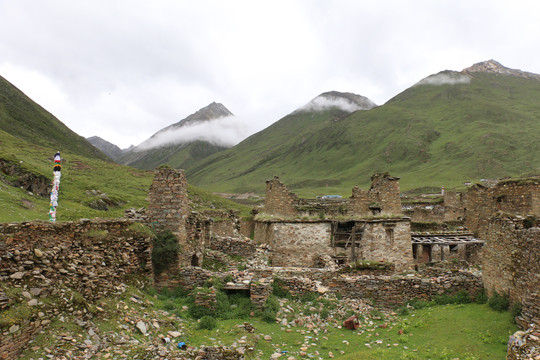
[
  {"x": 225, "y": 131},
  {"x": 321, "y": 103},
  {"x": 451, "y": 78}
]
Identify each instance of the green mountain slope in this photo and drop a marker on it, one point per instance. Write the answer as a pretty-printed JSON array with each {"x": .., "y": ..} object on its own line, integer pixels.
[
  {"x": 471, "y": 125},
  {"x": 23, "y": 118},
  {"x": 277, "y": 150},
  {"x": 91, "y": 185},
  {"x": 179, "y": 156},
  {"x": 170, "y": 146}
]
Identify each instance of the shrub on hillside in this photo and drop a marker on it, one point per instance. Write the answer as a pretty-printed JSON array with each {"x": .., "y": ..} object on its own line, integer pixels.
[{"x": 208, "y": 323}]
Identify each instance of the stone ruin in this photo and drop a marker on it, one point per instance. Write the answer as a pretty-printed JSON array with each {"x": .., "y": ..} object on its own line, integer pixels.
[{"x": 318, "y": 236}]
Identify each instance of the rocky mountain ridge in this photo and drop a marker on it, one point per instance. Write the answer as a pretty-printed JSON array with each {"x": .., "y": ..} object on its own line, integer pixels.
[
  {"x": 111, "y": 150},
  {"x": 494, "y": 67}
]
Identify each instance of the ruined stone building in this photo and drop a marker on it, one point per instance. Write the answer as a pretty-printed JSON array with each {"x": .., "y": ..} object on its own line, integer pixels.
[{"x": 367, "y": 226}]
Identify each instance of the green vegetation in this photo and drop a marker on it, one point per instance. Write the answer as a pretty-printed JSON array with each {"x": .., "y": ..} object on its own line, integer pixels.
[
  {"x": 499, "y": 302},
  {"x": 24, "y": 119},
  {"x": 164, "y": 251},
  {"x": 427, "y": 135},
  {"x": 179, "y": 156}
]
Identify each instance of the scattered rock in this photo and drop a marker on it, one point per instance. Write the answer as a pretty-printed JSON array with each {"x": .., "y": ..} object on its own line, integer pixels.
[{"x": 142, "y": 327}]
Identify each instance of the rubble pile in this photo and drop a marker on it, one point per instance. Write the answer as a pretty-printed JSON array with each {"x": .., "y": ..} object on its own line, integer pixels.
[{"x": 525, "y": 345}]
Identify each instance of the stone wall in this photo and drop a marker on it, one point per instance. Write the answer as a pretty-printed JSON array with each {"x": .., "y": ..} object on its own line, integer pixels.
[
  {"x": 169, "y": 209},
  {"x": 387, "y": 240},
  {"x": 511, "y": 261},
  {"x": 425, "y": 212},
  {"x": 301, "y": 243},
  {"x": 88, "y": 256},
  {"x": 517, "y": 197},
  {"x": 295, "y": 243},
  {"x": 245, "y": 248},
  {"x": 279, "y": 200},
  {"x": 385, "y": 290},
  {"x": 384, "y": 191},
  {"x": 453, "y": 209},
  {"x": 383, "y": 198}
]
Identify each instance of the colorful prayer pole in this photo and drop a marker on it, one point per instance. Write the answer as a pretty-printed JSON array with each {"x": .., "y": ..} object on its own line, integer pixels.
[{"x": 55, "y": 187}]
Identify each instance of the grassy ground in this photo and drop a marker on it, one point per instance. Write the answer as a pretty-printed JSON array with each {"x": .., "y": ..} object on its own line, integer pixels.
[
  {"x": 469, "y": 331},
  {"x": 466, "y": 331}
]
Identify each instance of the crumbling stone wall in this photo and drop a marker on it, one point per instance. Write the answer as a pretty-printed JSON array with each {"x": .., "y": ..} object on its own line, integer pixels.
[
  {"x": 517, "y": 197},
  {"x": 233, "y": 246},
  {"x": 425, "y": 212},
  {"x": 383, "y": 197},
  {"x": 88, "y": 256},
  {"x": 453, "y": 206},
  {"x": 168, "y": 209},
  {"x": 387, "y": 240},
  {"x": 301, "y": 243},
  {"x": 384, "y": 191},
  {"x": 359, "y": 202},
  {"x": 511, "y": 261},
  {"x": 295, "y": 243},
  {"x": 279, "y": 200},
  {"x": 387, "y": 291}
]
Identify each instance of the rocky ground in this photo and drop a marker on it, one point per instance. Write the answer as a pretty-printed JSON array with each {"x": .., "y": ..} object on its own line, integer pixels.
[{"x": 131, "y": 324}]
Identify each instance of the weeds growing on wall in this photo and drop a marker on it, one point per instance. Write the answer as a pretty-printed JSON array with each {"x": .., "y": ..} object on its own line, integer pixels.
[
  {"x": 165, "y": 251},
  {"x": 499, "y": 302}
]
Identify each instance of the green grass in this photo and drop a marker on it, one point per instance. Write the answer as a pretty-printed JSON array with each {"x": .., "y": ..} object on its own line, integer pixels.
[
  {"x": 427, "y": 135},
  {"x": 469, "y": 331}
]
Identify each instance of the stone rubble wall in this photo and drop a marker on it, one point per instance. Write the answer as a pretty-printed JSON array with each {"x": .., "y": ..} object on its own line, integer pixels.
[
  {"x": 302, "y": 243},
  {"x": 279, "y": 200},
  {"x": 383, "y": 194},
  {"x": 385, "y": 290},
  {"x": 511, "y": 197},
  {"x": 88, "y": 256},
  {"x": 525, "y": 345},
  {"x": 295, "y": 244},
  {"x": 511, "y": 264},
  {"x": 385, "y": 191},
  {"x": 245, "y": 248}
]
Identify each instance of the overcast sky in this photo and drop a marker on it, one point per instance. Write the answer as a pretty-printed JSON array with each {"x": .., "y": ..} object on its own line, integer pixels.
[{"x": 124, "y": 69}]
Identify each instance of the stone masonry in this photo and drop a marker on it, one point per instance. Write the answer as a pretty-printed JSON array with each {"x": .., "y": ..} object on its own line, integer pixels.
[
  {"x": 511, "y": 261},
  {"x": 89, "y": 257}
]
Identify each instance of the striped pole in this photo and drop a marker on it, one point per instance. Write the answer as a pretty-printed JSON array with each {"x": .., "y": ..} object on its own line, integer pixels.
[{"x": 56, "y": 185}]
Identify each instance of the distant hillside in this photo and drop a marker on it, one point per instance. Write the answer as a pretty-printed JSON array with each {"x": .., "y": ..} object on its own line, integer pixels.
[
  {"x": 176, "y": 145},
  {"x": 111, "y": 150},
  {"x": 279, "y": 149},
  {"x": 21, "y": 117},
  {"x": 450, "y": 127}
]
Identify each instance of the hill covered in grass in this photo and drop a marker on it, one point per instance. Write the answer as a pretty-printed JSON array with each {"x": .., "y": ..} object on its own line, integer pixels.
[
  {"x": 22, "y": 118},
  {"x": 482, "y": 122},
  {"x": 180, "y": 145},
  {"x": 91, "y": 185}
]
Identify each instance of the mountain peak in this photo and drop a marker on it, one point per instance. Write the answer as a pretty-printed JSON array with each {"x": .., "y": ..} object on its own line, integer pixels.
[
  {"x": 210, "y": 112},
  {"x": 494, "y": 67},
  {"x": 343, "y": 100}
]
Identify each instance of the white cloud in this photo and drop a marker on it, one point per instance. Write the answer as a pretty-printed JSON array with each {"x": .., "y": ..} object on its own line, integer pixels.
[
  {"x": 123, "y": 69},
  {"x": 323, "y": 102},
  {"x": 225, "y": 131},
  {"x": 450, "y": 78}
]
